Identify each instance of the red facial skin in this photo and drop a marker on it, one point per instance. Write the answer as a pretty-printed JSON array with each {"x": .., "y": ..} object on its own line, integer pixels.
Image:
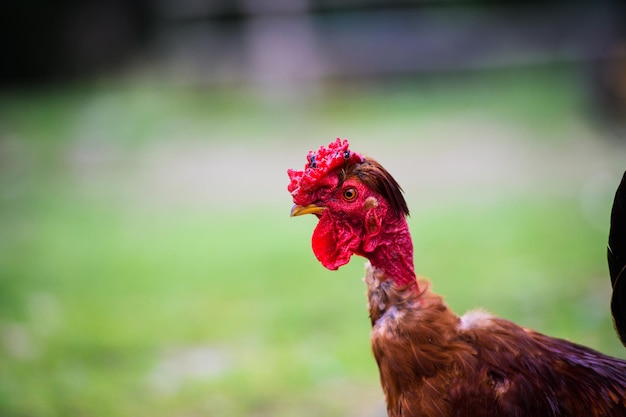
[{"x": 363, "y": 224}]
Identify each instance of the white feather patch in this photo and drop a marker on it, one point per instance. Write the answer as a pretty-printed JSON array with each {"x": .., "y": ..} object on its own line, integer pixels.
[{"x": 475, "y": 319}]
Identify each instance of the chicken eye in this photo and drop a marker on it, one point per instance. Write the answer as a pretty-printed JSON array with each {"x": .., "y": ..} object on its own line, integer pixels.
[{"x": 349, "y": 194}]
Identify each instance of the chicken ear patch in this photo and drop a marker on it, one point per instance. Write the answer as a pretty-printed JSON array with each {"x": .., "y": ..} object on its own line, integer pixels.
[
  {"x": 373, "y": 225},
  {"x": 333, "y": 242}
]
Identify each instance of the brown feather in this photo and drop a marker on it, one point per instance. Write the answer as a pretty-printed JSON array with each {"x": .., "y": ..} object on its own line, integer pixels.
[
  {"x": 372, "y": 174},
  {"x": 434, "y": 363}
]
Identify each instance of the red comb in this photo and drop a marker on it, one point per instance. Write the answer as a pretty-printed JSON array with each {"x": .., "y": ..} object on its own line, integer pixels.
[{"x": 320, "y": 163}]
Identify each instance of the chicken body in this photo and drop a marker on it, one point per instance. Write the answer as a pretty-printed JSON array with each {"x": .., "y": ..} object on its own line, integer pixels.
[{"x": 432, "y": 362}]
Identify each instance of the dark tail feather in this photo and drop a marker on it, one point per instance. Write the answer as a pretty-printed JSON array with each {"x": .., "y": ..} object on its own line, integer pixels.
[{"x": 617, "y": 260}]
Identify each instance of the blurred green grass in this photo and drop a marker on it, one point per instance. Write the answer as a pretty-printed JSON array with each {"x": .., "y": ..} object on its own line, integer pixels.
[{"x": 115, "y": 308}]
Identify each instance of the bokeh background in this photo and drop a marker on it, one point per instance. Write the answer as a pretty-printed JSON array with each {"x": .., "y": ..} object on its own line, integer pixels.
[{"x": 148, "y": 264}]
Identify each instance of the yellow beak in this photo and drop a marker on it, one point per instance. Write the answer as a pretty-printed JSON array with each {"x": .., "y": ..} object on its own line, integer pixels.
[{"x": 297, "y": 210}]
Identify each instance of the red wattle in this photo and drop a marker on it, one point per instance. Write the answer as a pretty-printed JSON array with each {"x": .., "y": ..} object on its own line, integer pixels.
[{"x": 333, "y": 242}]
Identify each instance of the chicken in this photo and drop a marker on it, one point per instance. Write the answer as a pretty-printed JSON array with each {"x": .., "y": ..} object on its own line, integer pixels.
[
  {"x": 617, "y": 260},
  {"x": 431, "y": 361}
]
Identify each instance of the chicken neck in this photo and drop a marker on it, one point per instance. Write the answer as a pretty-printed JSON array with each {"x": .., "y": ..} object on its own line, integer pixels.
[{"x": 393, "y": 253}]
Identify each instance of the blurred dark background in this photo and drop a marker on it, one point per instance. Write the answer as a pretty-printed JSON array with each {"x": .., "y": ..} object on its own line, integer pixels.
[{"x": 286, "y": 42}]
